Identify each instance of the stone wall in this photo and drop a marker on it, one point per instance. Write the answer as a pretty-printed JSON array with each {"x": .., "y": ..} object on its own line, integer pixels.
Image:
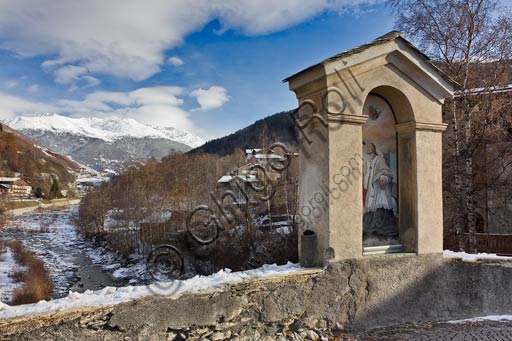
[{"x": 353, "y": 294}]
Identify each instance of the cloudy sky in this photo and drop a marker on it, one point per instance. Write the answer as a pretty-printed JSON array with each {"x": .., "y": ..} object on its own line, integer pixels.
[{"x": 209, "y": 67}]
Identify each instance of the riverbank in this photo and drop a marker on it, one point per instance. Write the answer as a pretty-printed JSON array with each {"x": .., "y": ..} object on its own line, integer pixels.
[
  {"x": 24, "y": 207},
  {"x": 74, "y": 263}
]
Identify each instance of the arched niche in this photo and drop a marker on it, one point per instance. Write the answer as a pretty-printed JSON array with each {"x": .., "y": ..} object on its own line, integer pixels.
[{"x": 388, "y": 177}]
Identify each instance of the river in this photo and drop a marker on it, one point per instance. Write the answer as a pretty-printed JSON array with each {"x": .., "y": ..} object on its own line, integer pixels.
[{"x": 73, "y": 262}]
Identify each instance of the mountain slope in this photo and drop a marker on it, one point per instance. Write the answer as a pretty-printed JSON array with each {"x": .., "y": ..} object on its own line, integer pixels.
[
  {"x": 278, "y": 127},
  {"x": 104, "y": 143},
  {"x": 38, "y": 166}
]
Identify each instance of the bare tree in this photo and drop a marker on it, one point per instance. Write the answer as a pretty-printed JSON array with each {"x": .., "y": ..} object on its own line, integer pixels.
[{"x": 470, "y": 40}]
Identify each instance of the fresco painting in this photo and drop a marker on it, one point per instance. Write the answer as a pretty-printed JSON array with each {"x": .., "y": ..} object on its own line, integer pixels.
[{"x": 380, "y": 178}]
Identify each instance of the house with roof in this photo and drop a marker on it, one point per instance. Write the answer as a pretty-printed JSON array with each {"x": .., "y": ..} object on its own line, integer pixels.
[{"x": 15, "y": 187}]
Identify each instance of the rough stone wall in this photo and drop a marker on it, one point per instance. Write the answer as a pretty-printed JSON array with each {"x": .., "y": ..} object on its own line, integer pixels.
[{"x": 353, "y": 294}]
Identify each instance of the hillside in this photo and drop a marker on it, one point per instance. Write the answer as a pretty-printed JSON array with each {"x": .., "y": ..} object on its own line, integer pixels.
[
  {"x": 38, "y": 166},
  {"x": 278, "y": 127}
]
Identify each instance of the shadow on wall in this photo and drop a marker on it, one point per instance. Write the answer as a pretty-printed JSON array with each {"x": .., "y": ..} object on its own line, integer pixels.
[{"x": 395, "y": 290}]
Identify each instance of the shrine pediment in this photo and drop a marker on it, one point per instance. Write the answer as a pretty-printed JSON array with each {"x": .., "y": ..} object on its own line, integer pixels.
[{"x": 392, "y": 51}]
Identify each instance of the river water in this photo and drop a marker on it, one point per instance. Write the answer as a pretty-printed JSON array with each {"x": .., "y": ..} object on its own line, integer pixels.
[{"x": 73, "y": 262}]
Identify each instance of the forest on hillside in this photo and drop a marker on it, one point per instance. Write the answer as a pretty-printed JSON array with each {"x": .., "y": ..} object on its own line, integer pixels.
[
  {"x": 39, "y": 167},
  {"x": 279, "y": 127}
]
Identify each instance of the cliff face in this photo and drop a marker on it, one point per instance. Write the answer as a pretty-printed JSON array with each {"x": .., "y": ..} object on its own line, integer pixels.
[{"x": 38, "y": 166}]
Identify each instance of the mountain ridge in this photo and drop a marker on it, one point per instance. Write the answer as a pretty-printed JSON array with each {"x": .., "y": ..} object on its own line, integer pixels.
[
  {"x": 279, "y": 127},
  {"x": 107, "y": 129},
  {"x": 105, "y": 144}
]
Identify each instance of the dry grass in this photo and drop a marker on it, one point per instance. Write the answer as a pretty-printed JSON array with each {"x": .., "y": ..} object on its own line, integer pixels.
[
  {"x": 11, "y": 205},
  {"x": 37, "y": 283},
  {"x": 3, "y": 214}
]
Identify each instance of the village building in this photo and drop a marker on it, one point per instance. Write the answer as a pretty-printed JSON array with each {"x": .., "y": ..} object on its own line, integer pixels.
[
  {"x": 14, "y": 187},
  {"x": 253, "y": 172}
]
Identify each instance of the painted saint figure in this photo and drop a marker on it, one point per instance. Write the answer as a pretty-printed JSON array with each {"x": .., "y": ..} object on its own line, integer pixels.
[{"x": 379, "y": 219}]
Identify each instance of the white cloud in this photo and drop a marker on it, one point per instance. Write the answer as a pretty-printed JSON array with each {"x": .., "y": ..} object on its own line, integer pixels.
[
  {"x": 153, "y": 105},
  {"x": 175, "y": 61},
  {"x": 11, "y": 83},
  {"x": 160, "y": 105},
  {"x": 68, "y": 74},
  {"x": 33, "y": 88},
  {"x": 11, "y": 106},
  {"x": 129, "y": 38},
  {"x": 211, "y": 98},
  {"x": 91, "y": 81}
]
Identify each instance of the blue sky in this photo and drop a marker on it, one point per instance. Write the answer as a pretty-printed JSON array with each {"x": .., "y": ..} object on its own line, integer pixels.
[{"x": 207, "y": 67}]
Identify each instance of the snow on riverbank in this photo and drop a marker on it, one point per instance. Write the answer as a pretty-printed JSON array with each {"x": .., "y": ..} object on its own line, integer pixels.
[
  {"x": 496, "y": 318},
  {"x": 111, "y": 295},
  {"x": 7, "y": 283},
  {"x": 66, "y": 254},
  {"x": 469, "y": 257}
]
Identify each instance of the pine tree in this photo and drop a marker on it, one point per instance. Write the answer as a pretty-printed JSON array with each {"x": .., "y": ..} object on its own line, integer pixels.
[
  {"x": 38, "y": 192},
  {"x": 54, "y": 190}
]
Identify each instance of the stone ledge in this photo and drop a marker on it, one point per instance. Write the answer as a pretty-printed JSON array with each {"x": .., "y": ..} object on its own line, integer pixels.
[{"x": 353, "y": 294}]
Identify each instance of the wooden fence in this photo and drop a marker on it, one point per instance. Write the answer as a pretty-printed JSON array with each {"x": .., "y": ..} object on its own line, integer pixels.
[{"x": 500, "y": 244}]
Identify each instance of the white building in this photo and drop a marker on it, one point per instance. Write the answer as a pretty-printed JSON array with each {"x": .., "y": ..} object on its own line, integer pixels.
[{"x": 15, "y": 187}]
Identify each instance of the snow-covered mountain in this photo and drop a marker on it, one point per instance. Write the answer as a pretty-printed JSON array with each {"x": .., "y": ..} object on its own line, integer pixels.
[{"x": 103, "y": 143}]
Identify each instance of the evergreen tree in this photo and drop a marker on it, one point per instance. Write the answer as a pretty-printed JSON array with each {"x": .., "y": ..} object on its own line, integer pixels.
[
  {"x": 54, "y": 190},
  {"x": 38, "y": 192}
]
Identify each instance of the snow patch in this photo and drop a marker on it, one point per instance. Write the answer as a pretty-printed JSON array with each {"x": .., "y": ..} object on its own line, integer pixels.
[
  {"x": 111, "y": 295},
  {"x": 496, "y": 318},
  {"x": 470, "y": 257},
  {"x": 7, "y": 284}
]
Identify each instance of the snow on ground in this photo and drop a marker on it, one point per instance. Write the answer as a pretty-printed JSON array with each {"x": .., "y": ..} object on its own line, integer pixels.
[
  {"x": 111, "y": 295},
  {"x": 133, "y": 271},
  {"x": 7, "y": 283},
  {"x": 469, "y": 257},
  {"x": 497, "y": 318},
  {"x": 63, "y": 250}
]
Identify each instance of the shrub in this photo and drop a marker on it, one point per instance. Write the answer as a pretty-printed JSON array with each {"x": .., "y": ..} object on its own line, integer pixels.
[{"x": 37, "y": 283}]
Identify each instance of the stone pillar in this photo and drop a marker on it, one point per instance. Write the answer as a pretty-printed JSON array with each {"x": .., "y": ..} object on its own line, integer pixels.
[
  {"x": 430, "y": 187},
  {"x": 345, "y": 184},
  {"x": 421, "y": 184},
  {"x": 330, "y": 163}
]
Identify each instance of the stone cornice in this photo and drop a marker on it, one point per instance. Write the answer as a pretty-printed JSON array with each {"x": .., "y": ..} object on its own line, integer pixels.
[
  {"x": 348, "y": 118},
  {"x": 421, "y": 126}
]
